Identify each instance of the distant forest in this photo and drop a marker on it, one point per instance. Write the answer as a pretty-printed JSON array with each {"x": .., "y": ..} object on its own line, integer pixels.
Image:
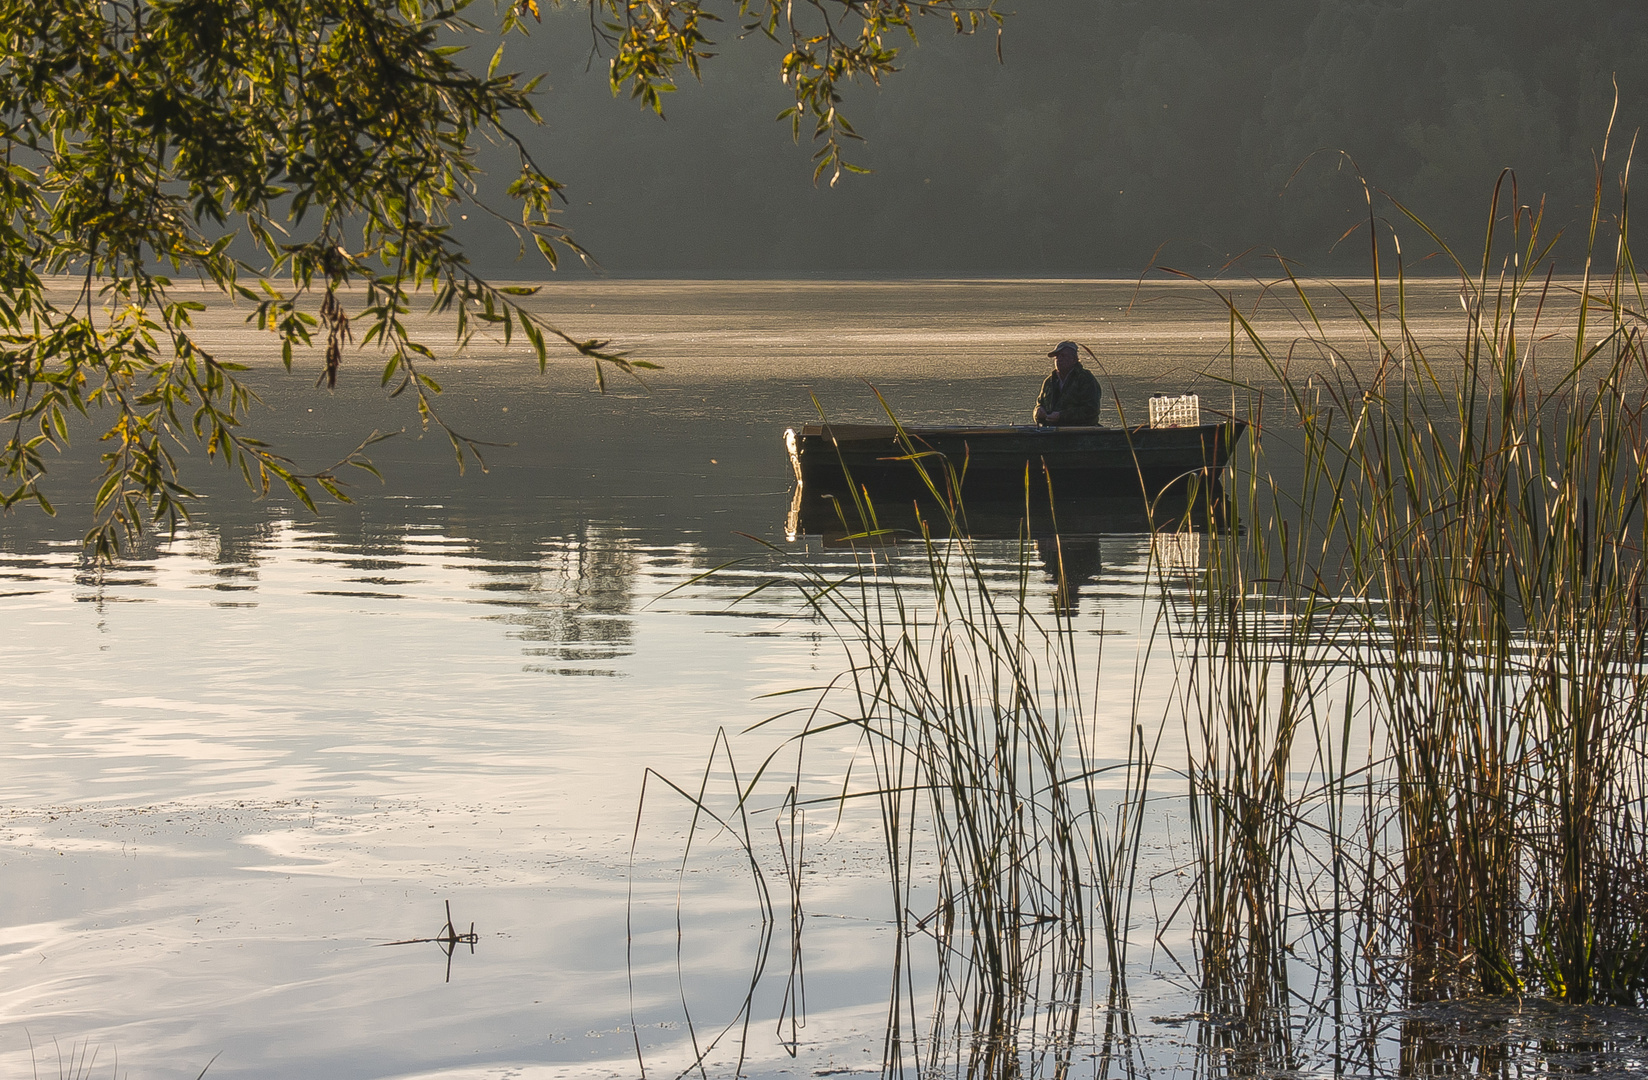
[{"x": 1114, "y": 130}]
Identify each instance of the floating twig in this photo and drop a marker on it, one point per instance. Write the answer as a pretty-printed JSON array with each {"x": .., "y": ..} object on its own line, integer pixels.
[{"x": 448, "y": 939}]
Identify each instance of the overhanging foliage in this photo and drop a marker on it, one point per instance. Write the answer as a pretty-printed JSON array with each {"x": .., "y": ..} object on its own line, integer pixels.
[{"x": 307, "y": 158}]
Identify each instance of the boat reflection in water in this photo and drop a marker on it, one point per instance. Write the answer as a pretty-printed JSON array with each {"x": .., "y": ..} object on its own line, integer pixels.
[
  {"x": 1066, "y": 532},
  {"x": 876, "y": 515}
]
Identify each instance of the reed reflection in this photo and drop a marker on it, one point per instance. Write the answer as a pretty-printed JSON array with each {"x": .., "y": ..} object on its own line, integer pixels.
[
  {"x": 1245, "y": 1027},
  {"x": 1497, "y": 1038}
]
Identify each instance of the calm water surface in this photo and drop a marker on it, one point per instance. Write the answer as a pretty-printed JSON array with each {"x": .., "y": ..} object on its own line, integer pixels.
[{"x": 238, "y": 763}]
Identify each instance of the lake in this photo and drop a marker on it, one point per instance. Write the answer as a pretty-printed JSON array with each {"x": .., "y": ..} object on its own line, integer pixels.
[{"x": 245, "y": 761}]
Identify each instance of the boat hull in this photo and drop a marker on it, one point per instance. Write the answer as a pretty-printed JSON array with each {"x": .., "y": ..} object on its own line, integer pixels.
[{"x": 999, "y": 462}]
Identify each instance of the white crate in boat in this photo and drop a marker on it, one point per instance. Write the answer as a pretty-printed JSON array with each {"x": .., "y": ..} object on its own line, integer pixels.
[{"x": 1184, "y": 410}]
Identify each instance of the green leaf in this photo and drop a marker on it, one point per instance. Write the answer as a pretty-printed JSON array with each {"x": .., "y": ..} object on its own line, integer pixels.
[
  {"x": 106, "y": 491},
  {"x": 545, "y": 248},
  {"x": 298, "y": 488}
]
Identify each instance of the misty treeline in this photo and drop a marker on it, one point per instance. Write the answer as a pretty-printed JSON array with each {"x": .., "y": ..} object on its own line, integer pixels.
[{"x": 1113, "y": 129}]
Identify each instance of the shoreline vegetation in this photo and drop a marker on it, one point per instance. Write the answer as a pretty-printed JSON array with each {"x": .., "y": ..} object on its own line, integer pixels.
[{"x": 1410, "y": 666}]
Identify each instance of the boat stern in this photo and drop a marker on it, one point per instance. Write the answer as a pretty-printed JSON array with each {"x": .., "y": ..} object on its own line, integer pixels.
[{"x": 792, "y": 443}]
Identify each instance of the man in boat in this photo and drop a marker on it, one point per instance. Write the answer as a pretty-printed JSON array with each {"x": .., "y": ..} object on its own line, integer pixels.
[{"x": 1071, "y": 394}]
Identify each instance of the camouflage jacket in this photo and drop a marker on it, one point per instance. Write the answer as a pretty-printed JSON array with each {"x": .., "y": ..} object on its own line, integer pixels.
[{"x": 1076, "y": 402}]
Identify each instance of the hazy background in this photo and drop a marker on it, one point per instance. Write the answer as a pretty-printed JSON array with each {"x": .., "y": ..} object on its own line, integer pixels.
[{"x": 1112, "y": 129}]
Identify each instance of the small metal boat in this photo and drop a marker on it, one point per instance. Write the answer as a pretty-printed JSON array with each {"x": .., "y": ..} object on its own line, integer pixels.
[{"x": 1103, "y": 463}]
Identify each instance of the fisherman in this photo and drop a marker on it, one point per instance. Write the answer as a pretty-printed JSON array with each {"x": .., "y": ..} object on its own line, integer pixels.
[{"x": 1071, "y": 394}]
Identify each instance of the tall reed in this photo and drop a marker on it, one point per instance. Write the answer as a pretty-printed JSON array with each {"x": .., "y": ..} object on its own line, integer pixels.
[
  {"x": 1004, "y": 839},
  {"x": 970, "y": 709},
  {"x": 1479, "y": 522}
]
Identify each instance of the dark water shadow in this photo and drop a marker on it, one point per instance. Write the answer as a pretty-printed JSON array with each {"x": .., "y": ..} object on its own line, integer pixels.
[
  {"x": 1527, "y": 1037},
  {"x": 904, "y": 515}
]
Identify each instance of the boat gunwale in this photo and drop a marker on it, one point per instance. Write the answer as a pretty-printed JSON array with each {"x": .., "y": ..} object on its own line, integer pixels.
[{"x": 853, "y": 433}]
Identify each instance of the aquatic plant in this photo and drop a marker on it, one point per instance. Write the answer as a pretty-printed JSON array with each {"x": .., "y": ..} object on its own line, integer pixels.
[
  {"x": 969, "y": 710},
  {"x": 1461, "y": 571}
]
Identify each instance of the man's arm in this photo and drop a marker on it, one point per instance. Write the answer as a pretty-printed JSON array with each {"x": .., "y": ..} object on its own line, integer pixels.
[{"x": 1046, "y": 400}]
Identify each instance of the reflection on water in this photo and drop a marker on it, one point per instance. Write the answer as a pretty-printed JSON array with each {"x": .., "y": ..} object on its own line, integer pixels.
[
  {"x": 1512, "y": 1038},
  {"x": 1069, "y": 562},
  {"x": 572, "y": 605},
  {"x": 276, "y": 724},
  {"x": 568, "y": 596}
]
